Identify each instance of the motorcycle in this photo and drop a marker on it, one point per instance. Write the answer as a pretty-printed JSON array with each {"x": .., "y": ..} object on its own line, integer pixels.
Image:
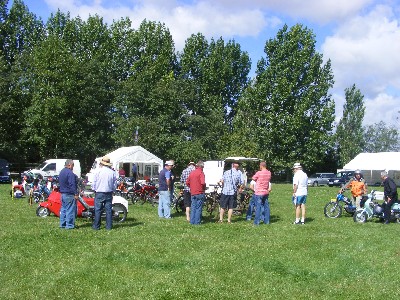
[
  {"x": 85, "y": 207},
  {"x": 333, "y": 209},
  {"x": 371, "y": 208}
]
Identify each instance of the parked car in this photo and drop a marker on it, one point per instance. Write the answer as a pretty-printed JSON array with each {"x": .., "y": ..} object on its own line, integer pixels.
[
  {"x": 341, "y": 178},
  {"x": 319, "y": 178},
  {"x": 4, "y": 171}
]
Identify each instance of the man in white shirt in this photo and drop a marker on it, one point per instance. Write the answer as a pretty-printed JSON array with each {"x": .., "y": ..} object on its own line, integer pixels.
[{"x": 299, "y": 193}]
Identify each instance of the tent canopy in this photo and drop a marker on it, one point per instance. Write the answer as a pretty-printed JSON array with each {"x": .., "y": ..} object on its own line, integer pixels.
[
  {"x": 133, "y": 154},
  {"x": 375, "y": 161},
  {"x": 148, "y": 165}
]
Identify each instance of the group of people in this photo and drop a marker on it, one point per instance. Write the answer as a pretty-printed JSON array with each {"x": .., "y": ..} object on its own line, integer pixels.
[
  {"x": 358, "y": 188},
  {"x": 104, "y": 184},
  {"x": 194, "y": 186}
]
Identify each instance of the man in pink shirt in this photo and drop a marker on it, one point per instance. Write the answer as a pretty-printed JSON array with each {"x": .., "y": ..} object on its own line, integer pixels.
[{"x": 262, "y": 179}]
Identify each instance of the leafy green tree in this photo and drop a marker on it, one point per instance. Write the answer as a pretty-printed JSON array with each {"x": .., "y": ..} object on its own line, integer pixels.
[
  {"x": 20, "y": 31},
  {"x": 381, "y": 138},
  {"x": 213, "y": 76},
  {"x": 349, "y": 132},
  {"x": 71, "y": 90},
  {"x": 147, "y": 98},
  {"x": 287, "y": 110}
]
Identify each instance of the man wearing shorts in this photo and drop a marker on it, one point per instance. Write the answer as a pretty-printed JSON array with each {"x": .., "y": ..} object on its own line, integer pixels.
[
  {"x": 186, "y": 190},
  {"x": 299, "y": 193},
  {"x": 231, "y": 180}
]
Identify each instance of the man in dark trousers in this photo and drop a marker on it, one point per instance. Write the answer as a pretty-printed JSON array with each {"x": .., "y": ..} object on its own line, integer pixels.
[
  {"x": 104, "y": 184},
  {"x": 390, "y": 195},
  {"x": 197, "y": 185},
  {"x": 69, "y": 195}
]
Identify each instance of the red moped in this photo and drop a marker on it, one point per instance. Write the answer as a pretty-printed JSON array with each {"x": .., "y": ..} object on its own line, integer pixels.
[{"x": 85, "y": 207}]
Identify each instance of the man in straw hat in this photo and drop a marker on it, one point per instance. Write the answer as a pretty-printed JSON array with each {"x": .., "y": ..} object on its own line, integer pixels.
[
  {"x": 300, "y": 181},
  {"x": 104, "y": 184}
]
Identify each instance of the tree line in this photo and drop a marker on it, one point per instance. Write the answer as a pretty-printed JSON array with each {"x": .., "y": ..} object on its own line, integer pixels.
[{"x": 81, "y": 88}]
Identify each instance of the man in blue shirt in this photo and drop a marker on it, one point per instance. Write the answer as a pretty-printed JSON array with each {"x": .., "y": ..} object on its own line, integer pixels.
[
  {"x": 231, "y": 180},
  {"x": 164, "y": 193},
  {"x": 69, "y": 194},
  {"x": 104, "y": 184}
]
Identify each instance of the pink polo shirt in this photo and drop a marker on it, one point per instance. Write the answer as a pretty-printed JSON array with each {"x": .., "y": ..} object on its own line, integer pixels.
[{"x": 262, "y": 179}]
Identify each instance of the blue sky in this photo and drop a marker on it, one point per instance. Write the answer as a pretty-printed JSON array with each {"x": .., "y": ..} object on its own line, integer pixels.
[{"x": 361, "y": 37}]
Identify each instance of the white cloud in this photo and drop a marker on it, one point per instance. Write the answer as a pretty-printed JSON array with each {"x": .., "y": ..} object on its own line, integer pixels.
[{"x": 365, "y": 50}]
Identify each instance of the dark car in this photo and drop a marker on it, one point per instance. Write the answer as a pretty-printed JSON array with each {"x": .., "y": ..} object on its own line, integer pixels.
[
  {"x": 4, "y": 171},
  {"x": 341, "y": 178}
]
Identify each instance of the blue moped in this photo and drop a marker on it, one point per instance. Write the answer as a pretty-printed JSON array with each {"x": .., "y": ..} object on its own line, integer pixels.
[{"x": 371, "y": 208}]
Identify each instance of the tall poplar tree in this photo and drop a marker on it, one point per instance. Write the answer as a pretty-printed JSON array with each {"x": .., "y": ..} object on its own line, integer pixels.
[
  {"x": 287, "y": 111},
  {"x": 349, "y": 132}
]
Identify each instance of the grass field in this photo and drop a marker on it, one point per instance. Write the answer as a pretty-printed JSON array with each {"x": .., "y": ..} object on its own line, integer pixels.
[{"x": 148, "y": 258}]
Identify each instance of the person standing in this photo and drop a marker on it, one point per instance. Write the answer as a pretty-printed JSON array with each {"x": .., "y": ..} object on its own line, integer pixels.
[
  {"x": 231, "y": 182},
  {"x": 252, "y": 203},
  {"x": 197, "y": 185},
  {"x": 69, "y": 194},
  {"x": 390, "y": 195},
  {"x": 300, "y": 181},
  {"x": 104, "y": 184},
  {"x": 358, "y": 188},
  {"x": 134, "y": 172},
  {"x": 164, "y": 193},
  {"x": 262, "y": 188},
  {"x": 186, "y": 190}
]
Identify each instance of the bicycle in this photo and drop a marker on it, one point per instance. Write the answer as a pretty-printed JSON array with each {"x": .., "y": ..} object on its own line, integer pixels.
[{"x": 212, "y": 198}]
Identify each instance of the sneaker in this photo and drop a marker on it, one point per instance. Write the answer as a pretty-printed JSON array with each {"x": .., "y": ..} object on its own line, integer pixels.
[
  {"x": 302, "y": 223},
  {"x": 297, "y": 223}
]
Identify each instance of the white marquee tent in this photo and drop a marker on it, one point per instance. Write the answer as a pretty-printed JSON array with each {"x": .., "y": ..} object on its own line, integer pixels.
[
  {"x": 371, "y": 165},
  {"x": 147, "y": 163}
]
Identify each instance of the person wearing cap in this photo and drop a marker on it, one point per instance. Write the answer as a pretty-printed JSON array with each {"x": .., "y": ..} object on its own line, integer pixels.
[
  {"x": 197, "y": 185},
  {"x": 261, "y": 192},
  {"x": 186, "y": 190},
  {"x": 164, "y": 190},
  {"x": 390, "y": 195},
  {"x": 358, "y": 188},
  {"x": 231, "y": 182},
  {"x": 300, "y": 180},
  {"x": 104, "y": 184},
  {"x": 69, "y": 194}
]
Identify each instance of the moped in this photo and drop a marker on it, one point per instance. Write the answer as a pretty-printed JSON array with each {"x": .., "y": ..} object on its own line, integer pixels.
[
  {"x": 333, "y": 209},
  {"x": 85, "y": 207},
  {"x": 371, "y": 208}
]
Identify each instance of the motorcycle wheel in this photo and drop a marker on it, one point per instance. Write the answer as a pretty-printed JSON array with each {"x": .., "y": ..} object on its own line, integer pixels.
[
  {"x": 134, "y": 198},
  {"x": 42, "y": 212},
  {"x": 360, "y": 216},
  {"x": 179, "y": 207},
  {"x": 119, "y": 213},
  {"x": 333, "y": 210}
]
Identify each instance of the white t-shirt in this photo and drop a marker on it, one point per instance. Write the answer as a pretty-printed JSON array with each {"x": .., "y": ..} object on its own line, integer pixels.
[{"x": 300, "y": 179}]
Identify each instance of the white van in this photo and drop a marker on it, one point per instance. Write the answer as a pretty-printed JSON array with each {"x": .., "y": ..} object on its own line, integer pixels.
[
  {"x": 52, "y": 167},
  {"x": 214, "y": 169}
]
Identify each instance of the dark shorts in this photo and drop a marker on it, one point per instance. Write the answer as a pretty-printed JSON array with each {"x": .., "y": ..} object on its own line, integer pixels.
[
  {"x": 228, "y": 201},
  {"x": 187, "y": 199}
]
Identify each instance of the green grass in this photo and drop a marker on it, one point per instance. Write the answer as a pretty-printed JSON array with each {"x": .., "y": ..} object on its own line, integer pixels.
[{"x": 148, "y": 258}]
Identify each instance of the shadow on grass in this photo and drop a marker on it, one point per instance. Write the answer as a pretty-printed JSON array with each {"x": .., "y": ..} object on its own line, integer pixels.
[{"x": 129, "y": 222}]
